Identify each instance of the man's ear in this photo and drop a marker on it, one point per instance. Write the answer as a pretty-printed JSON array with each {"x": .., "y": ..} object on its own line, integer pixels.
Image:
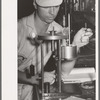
[{"x": 34, "y": 4}]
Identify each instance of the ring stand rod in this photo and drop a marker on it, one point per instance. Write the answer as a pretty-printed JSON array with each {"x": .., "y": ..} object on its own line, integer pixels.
[
  {"x": 59, "y": 64},
  {"x": 42, "y": 70}
]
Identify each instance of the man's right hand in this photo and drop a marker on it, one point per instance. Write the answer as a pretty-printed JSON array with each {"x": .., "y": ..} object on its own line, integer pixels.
[
  {"x": 49, "y": 77},
  {"x": 35, "y": 79}
]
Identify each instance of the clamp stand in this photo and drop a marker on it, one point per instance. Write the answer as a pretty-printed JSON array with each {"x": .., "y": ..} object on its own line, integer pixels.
[{"x": 53, "y": 38}]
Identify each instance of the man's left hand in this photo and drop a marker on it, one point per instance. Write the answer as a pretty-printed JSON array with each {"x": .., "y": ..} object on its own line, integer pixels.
[{"x": 82, "y": 37}]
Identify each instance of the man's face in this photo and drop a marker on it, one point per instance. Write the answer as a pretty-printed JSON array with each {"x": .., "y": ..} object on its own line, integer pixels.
[{"x": 47, "y": 14}]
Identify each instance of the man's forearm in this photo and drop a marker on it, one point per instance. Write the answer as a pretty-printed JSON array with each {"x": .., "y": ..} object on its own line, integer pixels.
[
  {"x": 67, "y": 66},
  {"x": 23, "y": 79}
]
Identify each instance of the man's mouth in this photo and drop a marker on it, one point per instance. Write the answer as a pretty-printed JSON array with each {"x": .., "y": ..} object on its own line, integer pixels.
[{"x": 51, "y": 18}]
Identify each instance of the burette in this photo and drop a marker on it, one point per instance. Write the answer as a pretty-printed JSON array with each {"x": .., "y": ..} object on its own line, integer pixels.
[
  {"x": 69, "y": 51},
  {"x": 65, "y": 17}
]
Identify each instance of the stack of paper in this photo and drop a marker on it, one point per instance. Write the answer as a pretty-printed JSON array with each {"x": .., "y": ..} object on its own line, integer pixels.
[
  {"x": 73, "y": 98},
  {"x": 79, "y": 75}
]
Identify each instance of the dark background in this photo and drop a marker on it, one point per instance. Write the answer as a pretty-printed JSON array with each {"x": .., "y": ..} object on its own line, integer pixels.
[
  {"x": 79, "y": 18},
  {"x": 25, "y": 8}
]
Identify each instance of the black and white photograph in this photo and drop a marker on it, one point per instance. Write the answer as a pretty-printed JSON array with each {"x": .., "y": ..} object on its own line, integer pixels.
[{"x": 55, "y": 50}]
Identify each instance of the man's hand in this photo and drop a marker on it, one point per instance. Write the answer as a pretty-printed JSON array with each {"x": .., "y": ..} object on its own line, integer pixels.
[
  {"x": 35, "y": 79},
  {"x": 49, "y": 77},
  {"x": 82, "y": 37}
]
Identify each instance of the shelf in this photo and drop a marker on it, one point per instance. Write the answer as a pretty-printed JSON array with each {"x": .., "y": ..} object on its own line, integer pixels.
[
  {"x": 91, "y": 13},
  {"x": 90, "y": 19}
]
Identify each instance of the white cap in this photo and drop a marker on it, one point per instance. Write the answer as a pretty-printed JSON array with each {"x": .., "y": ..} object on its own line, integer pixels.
[{"x": 46, "y": 3}]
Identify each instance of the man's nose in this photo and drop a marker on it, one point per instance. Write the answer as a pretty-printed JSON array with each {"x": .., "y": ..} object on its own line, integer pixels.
[{"x": 52, "y": 10}]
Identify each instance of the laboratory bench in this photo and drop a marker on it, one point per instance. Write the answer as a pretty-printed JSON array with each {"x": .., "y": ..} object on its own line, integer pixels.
[{"x": 84, "y": 90}]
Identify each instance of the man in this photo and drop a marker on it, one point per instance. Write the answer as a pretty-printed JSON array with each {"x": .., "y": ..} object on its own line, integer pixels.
[{"x": 29, "y": 53}]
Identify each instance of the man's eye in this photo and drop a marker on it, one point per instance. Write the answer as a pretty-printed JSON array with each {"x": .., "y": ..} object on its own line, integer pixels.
[
  {"x": 45, "y": 7},
  {"x": 56, "y": 6}
]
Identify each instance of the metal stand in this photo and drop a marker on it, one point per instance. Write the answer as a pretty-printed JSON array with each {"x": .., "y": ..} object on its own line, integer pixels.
[{"x": 53, "y": 38}]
